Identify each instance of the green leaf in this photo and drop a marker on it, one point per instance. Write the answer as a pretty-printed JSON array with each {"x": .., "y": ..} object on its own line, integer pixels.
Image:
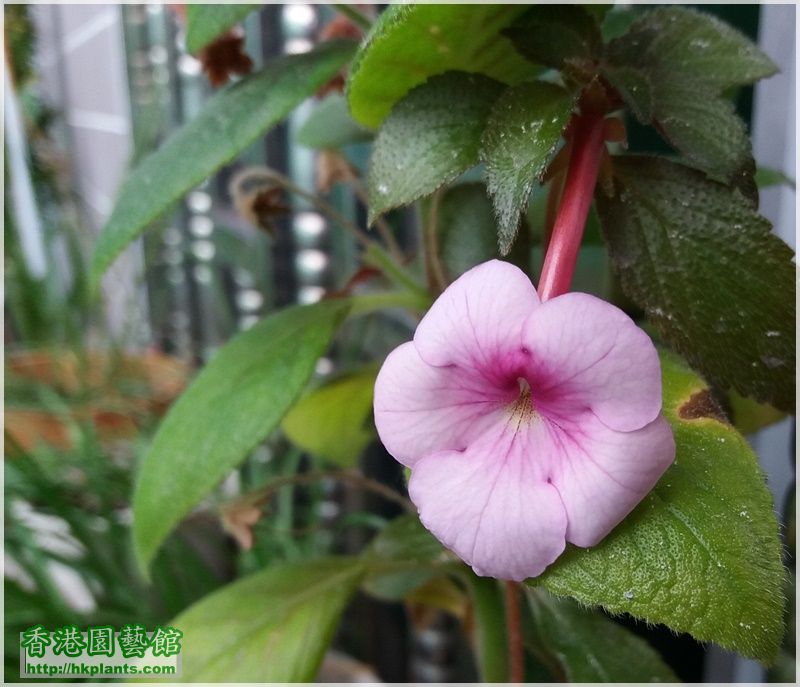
[
  {"x": 272, "y": 626},
  {"x": 491, "y": 639},
  {"x": 405, "y": 540},
  {"x": 520, "y": 139},
  {"x": 766, "y": 177},
  {"x": 671, "y": 68},
  {"x": 466, "y": 228},
  {"x": 229, "y": 123},
  {"x": 553, "y": 35},
  {"x": 402, "y": 557},
  {"x": 748, "y": 416},
  {"x": 431, "y": 136},
  {"x": 205, "y": 22},
  {"x": 334, "y": 421},
  {"x": 234, "y": 403},
  {"x": 718, "y": 285},
  {"x": 410, "y": 43},
  {"x": 582, "y": 645},
  {"x": 701, "y": 553},
  {"x": 331, "y": 126},
  {"x": 697, "y": 46}
]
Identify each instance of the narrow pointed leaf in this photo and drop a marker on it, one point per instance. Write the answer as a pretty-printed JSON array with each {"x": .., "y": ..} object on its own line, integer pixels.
[
  {"x": 431, "y": 136},
  {"x": 701, "y": 554},
  {"x": 713, "y": 278},
  {"x": 229, "y": 123},
  {"x": 204, "y": 23},
  {"x": 234, "y": 403},
  {"x": 410, "y": 43},
  {"x": 272, "y": 626},
  {"x": 521, "y": 137}
]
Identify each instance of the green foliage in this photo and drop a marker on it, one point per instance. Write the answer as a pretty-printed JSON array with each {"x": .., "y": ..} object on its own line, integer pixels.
[
  {"x": 491, "y": 639},
  {"x": 272, "y": 626},
  {"x": 230, "y": 122},
  {"x": 405, "y": 540},
  {"x": 672, "y": 66},
  {"x": 331, "y": 126},
  {"x": 766, "y": 177},
  {"x": 748, "y": 416},
  {"x": 234, "y": 403},
  {"x": 431, "y": 136},
  {"x": 205, "y": 22},
  {"x": 334, "y": 421},
  {"x": 701, "y": 552},
  {"x": 715, "y": 281},
  {"x": 466, "y": 227},
  {"x": 520, "y": 139},
  {"x": 556, "y": 35},
  {"x": 580, "y": 645},
  {"x": 410, "y": 43}
]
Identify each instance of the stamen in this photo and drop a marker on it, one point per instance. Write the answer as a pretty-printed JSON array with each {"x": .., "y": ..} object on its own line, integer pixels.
[{"x": 522, "y": 409}]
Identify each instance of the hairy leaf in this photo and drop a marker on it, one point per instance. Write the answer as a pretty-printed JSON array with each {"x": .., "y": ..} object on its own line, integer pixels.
[
  {"x": 671, "y": 68},
  {"x": 410, "y": 43},
  {"x": 521, "y": 137},
  {"x": 718, "y": 285},
  {"x": 229, "y": 122},
  {"x": 581, "y": 645},
  {"x": 695, "y": 45},
  {"x": 331, "y": 126},
  {"x": 431, "y": 136},
  {"x": 205, "y": 22},
  {"x": 334, "y": 421},
  {"x": 701, "y": 553},
  {"x": 553, "y": 35},
  {"x": 272, "y": 626},
  {"x": 234, "y": 403}
]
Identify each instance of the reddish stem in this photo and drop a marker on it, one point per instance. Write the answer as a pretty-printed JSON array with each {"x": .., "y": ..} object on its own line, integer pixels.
[
  {"x": 588, "y": 145},
  {"x": 516, "y": 655}
]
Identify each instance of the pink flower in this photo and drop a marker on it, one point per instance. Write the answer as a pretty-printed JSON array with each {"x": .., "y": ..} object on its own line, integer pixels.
[{"x": 526, "y": 425}]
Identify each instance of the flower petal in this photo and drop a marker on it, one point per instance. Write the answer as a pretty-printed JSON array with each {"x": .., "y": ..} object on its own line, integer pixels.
[
  {"x": 603, "y": 474},
  {"x": 492, "y": 504},
  {"x": 420, "y": 408},
  {"x": 588, "y": 353},
  {"x": 476, "y": 322}
]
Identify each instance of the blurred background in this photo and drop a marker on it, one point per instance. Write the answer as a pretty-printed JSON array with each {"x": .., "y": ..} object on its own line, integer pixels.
[{"x": 89, "y": 89}]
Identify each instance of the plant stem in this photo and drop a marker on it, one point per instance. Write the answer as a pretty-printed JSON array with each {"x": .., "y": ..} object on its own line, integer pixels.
[
  {"x": 322, "y": 205},
  {"x": 374, "y": 254},
  {"x": 380, "y": 223},
  {"x": 378, "y": 257},
  {"x": 363, "y": 304},
  {"x": 516, "y": 655},
  {"x": 353, "y": 15},
  {"x": 262, "y": 495},
  {"x": 437, "y": 282},
  {"x": 576, "y": 199}
]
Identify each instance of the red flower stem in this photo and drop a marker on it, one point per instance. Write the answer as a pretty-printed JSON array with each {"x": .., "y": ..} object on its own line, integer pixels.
[
  {"x": 588, "y": 145},
  {"x": 516, "y": 655}
]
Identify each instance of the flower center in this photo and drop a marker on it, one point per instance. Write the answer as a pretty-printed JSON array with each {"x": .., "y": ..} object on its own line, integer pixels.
[{"x": 522, "y": 409}]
